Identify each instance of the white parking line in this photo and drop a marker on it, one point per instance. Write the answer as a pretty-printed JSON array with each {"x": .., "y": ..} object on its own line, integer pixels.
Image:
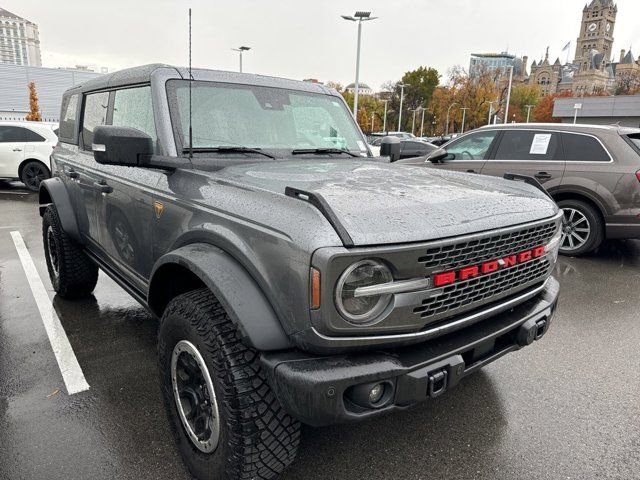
[
  {"x": 67, "y": 361},
  {"x": 6, "y": 192}
]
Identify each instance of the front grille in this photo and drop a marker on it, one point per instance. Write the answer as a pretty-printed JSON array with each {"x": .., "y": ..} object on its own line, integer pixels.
[
  {"x": 481, "y": 290},
  {"x": 473, "y": 252}
]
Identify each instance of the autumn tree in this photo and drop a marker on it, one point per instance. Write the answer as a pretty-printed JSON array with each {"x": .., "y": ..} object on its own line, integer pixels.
[
  {"x": 544, "y": 110},
  {"x": 34, "y": 107},
  {"x": 521, "y": 96},
  {"x": 627, "y": 82}
]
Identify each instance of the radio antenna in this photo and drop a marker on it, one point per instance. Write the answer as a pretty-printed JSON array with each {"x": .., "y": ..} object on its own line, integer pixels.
[{"x": 190, "y": 82}]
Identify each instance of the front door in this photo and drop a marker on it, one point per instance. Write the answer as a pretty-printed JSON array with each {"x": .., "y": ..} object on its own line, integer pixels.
[
  {"x": 469, "y": 152},
  {"x": 535, "y": 153}
]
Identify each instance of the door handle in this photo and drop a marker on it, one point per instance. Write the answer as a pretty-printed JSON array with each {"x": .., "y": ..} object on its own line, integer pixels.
[
  {"x": 543, "y": 176},
  {"x": 72, "y": 173},
  {"x": 471, "y": 170},
  {"x": 17, "y": 149},
  {"x": 103, "y": 187}
]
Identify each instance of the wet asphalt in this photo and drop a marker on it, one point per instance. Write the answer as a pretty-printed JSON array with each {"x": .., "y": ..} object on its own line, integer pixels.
[{"x": 566, "y": 408}]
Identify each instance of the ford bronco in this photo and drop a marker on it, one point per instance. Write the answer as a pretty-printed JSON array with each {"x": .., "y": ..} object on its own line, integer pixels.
[{"x": 296, "y": 277}]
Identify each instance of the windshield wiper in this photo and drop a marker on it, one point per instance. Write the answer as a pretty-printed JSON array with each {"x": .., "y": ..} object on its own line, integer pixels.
[
  {"x": 227, "y": 149},
  {"x": 302, "y": 151}
]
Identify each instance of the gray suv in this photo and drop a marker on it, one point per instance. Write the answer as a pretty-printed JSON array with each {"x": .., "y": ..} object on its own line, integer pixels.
[
  {"x": 296, "y": 278},
  {"x": 592, "y": 171}
]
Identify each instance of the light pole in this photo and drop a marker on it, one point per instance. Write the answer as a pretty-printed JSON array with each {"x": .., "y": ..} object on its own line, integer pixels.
[
  {"x": 402, "y": 85},
  {"x": 529, "y": 107},
  {"x": 372, "y": 119},
  {"x": 464, "y": 117},
  {"x": 491, "y": 111},
  {"x": 506, "y": 112},
  {"x": 413, "y": 122},
  {"x": 358, "y": 17},
  {"x": 422, "y": 122},
  {"x": 384, "y": 122},
  {"x": 446, "y": 131},
  {"x": 241, "y": 49},
  {"x": 576, "y": 107}
]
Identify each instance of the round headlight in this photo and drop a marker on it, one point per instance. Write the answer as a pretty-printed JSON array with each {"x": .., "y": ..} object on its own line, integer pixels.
[{"x": 362, "y": 309}]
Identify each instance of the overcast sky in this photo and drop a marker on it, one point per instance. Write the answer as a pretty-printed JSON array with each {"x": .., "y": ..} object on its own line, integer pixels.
[{"x": 308, "y": 39}]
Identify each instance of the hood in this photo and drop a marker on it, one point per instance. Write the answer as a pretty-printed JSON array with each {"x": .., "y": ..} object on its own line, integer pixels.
[{"x": 381, "y": 203}]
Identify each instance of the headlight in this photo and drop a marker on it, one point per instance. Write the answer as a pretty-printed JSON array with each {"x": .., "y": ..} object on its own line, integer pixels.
[
  {"x": 553, "y": 246},
  {"x": 361, "y": 309}
]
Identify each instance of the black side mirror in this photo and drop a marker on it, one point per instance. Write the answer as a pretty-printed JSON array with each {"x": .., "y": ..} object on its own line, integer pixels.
[
  {"x": 120, "y": 145},
  {"x": 437, "y": 156},
  {"x": 390, "y": 147}
]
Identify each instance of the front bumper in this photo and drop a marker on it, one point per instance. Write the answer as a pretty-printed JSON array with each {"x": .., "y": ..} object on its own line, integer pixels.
[{"x": 320, "y": 390}]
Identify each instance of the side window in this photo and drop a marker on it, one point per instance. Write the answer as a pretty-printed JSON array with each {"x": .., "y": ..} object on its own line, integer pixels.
[
  {"x": 132, "y": 108},
  {"x": 529, "y": 146},
  {"x": 474, "y": 146},
  {"x": 68, "y": 118},
  {"x": 94, "y": 115},
  {"x": 583, "y": 148},
  {"x": 32, "y": 136},
  {"x": 9, "y": 134}
]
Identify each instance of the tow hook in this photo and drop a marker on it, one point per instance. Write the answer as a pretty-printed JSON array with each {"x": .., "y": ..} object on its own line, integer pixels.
[
  {"x": 437, "y": 383},
  {"x": 532, "y": 330},
  {"x": 541, "y": 329}
]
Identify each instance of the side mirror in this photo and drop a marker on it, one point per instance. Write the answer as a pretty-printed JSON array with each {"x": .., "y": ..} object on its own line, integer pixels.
[
  {"x": 390, "y": 147},
  {"x": 437, "y": 156},
  {"x": 120, "y": 145}
]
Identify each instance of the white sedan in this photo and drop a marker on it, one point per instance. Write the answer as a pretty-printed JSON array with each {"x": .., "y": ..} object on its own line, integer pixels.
[{"x": 25, "y": 151}]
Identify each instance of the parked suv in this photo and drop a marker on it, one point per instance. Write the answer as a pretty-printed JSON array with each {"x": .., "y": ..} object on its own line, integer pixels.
[
  {"x": 592, "y": 171},
  {"x": 25, "y": 148},
  {"x": 295, "y": 279}
]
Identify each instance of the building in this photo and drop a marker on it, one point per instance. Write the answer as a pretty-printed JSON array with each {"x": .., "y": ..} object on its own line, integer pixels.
[
  {"x": 19, "y": 40},
  {"x": 623, "y": 110},
  {"x": 593, "y": 70},
  {"x": 50, "y": 84},
  {"x": 492, "y": 62},
  {"x": 363, "y": 89}
]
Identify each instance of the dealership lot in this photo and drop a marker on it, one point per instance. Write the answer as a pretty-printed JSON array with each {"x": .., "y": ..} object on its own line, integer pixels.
[{"x": 566, "y": 408}]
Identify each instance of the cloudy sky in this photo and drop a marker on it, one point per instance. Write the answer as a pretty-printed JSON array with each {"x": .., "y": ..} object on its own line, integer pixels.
[{"x": 303, "y": 38}]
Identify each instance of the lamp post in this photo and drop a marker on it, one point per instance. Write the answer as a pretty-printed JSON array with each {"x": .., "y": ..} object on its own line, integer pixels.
[
  {"x": 372, "y": 120},
  {"x": 506, "y": 112},
  {"x": 402, "y": 85},
  {"x": 446, "y": 131},
  {"x": 413, "y": 122},
  {"x": 384, "y": 122},
  {"x": 422, "y": 122},
  {"x": 529, "y": 107},
  {"x": 358, "y": 17},
  {"x": 576, "y": 107},
  {"x": 241, "y": 49},
  {"x": 491, "y": 111},
  {"x": 464, "y": 117}
]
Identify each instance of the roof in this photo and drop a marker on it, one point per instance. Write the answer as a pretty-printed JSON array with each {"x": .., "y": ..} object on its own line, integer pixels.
[
  {"x": 144, "y": 74},
  {"x": 628, "y": 58},
  {"x": 603, "y": 3},
  {"x": 565, "y": 127},
  {"x": 7, "y": 14},
  {"x": 362, "y": 86},
  {"x": 494, "y": 55},
  {"x": 603, "y": 107}
]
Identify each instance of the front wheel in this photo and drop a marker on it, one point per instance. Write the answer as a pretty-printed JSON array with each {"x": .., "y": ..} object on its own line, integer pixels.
[
  {"x": 582, "y": 228},
  {"x": 224, "y": 417}
]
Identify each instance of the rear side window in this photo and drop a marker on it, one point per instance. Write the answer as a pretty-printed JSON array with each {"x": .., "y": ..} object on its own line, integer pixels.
[
  {"x": 68, "y": 119},
  {"x": 635, "y": 141},
  {"x": 10, "y": 134},
  {"x": 94, "y": 115},
  {"x": 529, "y": 145},
  {"x": 132, "y": 108},
  {"x": 583, "y": 148},
  {"x": 31, "y": 136}
]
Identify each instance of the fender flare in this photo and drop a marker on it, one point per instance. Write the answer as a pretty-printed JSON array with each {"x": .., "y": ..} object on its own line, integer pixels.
[
  {"x": 234, "y": 288},
  {"x": 53, "y": 191}
]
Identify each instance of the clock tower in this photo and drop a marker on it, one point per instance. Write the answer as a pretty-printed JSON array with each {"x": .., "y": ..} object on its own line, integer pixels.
[{"x": 596, "y": 33}]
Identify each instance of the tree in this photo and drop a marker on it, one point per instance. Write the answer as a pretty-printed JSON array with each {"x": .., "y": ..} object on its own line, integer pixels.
[
  {"x": 627, "y": 82},
  {"x": 34, "y": 107},
  {"x": 544, "y": 110},
  {"x": 521, "y": 96}
]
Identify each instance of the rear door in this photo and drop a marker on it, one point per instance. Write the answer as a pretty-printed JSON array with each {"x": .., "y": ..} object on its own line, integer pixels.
[
  {"x": 536, "y": 153},
  {"x": 469, "y": 152},
  {"x": 12, "y": 145}
]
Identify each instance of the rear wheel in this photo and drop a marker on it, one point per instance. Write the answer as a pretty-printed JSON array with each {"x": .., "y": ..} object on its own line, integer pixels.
[
  {"x": 582, "y": 228},
  {"x": 33, "y": 173},
  {"x": 224, "y": 417}
]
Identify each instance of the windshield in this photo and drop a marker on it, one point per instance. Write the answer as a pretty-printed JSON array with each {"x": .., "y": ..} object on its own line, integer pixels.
[{"x": 261, "y": 117}]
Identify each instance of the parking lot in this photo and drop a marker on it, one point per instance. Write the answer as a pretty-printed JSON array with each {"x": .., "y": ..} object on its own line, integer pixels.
[{"x": 566, "y": 408}]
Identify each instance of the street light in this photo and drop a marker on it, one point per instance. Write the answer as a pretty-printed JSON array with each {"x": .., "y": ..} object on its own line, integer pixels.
[
  {"x": 402, "y": 85},
  {"x": 384, "y": 122},
  {"x": 241, "y": 49},
  {"x": 464, "y": 117},
  {"x": 372, "y": 119},
  {"x": 422, "y": 122},
  {"x": 491, "y": 111},
  {"x": 446, "y": 132},
  {"x": 413, "y": 122},
  {"x": 529, "y": 107},
  {"x": 358, "y": 17},
  {"x": 576, "y": 107},
  {"x": 506, "y": 112}
]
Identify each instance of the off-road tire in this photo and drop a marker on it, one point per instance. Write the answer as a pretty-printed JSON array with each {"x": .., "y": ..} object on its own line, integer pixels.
[
  {"x": 258, "y": 439},
  {"x": 596, "y": 225},
  {"x": 77, "y": 275}
]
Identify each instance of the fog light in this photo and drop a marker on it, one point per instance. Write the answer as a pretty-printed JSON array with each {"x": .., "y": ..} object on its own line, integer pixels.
[{"x": 376, "y": 393}]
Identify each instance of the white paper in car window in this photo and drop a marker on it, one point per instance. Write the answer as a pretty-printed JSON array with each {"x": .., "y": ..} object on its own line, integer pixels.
[{"x": 540, "y": 144}]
